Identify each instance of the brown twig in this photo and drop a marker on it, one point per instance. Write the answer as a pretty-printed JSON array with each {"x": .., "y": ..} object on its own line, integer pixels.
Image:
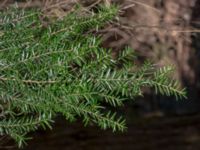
[
  {"x": 29, "y": 81},
  {"x": 145, "y": 5}
]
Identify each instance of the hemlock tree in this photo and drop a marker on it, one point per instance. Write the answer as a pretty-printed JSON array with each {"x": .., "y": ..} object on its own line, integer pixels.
[{"x": 62, "y": 69}]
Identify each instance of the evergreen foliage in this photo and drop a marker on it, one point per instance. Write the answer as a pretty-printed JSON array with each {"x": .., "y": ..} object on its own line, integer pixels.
[{"x": 59, "y": 69}]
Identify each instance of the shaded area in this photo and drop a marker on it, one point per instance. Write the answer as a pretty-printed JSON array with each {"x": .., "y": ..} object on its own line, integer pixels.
[{"x": 169, "y": 133}]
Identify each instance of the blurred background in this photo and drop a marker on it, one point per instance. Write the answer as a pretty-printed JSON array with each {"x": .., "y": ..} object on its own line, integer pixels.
[{"x": 163, "y": 31}]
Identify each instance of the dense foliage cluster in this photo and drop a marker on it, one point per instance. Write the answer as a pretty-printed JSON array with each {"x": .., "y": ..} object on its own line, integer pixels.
[{"x": 62, "y": 69}]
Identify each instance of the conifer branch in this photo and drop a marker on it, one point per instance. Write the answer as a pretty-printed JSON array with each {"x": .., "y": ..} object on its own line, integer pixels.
[{"x": 62, "y": 69}]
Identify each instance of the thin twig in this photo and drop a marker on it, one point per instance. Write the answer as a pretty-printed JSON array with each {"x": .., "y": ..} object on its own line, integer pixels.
[
  {"x": 29, "y": 81},
  {"x": 145, "y": 5}
]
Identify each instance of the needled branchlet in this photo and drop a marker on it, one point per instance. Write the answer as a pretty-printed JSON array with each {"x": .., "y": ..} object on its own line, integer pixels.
[{"x": 62, "y": 69}]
